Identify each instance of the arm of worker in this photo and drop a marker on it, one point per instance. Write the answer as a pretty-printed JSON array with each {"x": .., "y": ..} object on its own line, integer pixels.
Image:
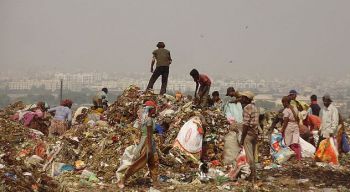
[
  {"x": 170, "y": 59},
  {"x": 195, "y": 93},
  {"x": 285, "y": 121},
  {"x": 152, "y": 63},
  {"x": 244, "y": 134},
  {"x": 52, "y": 109},
  {"x": 284, "y": 126},
  {"x": 335, "y": 123},
  {"x": 247, "y": 112}
]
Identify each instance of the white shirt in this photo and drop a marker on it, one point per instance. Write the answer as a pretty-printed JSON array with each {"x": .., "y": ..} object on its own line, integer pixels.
[
  {"x": 329, "y": 121},
  {"x": 103, "y": 96}
]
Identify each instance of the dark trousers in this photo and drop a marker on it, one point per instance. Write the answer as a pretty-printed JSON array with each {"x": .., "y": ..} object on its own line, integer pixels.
[{"x": 159, "y": 71}]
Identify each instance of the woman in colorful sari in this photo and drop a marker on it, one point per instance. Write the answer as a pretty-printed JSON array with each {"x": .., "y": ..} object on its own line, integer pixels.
[{"x": 146, "y": 149}]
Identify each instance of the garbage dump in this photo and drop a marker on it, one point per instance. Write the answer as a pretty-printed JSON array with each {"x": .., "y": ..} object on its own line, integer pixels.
[{"x": 87, "y": 156}]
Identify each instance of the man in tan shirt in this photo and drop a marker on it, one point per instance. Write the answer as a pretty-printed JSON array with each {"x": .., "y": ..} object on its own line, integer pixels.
[{"x": 162, "y": 58}]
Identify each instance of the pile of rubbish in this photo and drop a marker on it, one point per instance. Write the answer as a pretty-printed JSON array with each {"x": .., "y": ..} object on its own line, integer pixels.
[
  {"x": 89, "y": 153},
  {"x": 22, "y": 158}
]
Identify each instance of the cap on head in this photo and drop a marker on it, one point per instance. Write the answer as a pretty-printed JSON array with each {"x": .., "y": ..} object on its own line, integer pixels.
[
  {"x": 160, "y": 44},
  {"x": 293, "y": 92},
  {"x": 327, "y": 97},
  {"x": 250, "y": 95},
  {"x": 150, "y": 104},
  {"x": 229, "y": 90}
]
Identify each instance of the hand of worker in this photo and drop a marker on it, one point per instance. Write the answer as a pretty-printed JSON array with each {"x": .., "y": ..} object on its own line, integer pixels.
[{"x": 241, "y": 143}]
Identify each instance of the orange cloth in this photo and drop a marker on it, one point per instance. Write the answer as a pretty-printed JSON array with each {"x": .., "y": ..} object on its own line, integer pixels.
[
  {"x": 314, "y": 122},
  {"x": 327, "y": 152}
]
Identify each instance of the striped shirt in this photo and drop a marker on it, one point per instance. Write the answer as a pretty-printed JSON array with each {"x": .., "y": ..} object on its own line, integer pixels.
[{"x": 251, "y": 119}]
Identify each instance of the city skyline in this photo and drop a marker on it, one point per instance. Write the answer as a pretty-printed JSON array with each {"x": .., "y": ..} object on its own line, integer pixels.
[{"x": 240, "y": 38}]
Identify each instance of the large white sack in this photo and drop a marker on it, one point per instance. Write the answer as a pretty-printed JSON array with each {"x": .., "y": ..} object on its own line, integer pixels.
[
  {"x": 231, "y": 148},
  {"x": 307, "y": 150},
  {"x": 189, "y": 137}
]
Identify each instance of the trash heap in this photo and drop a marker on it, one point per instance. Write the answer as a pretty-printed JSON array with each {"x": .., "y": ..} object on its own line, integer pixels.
[
  {"x": 87, "y": 156},
  {"x": 22, "y": 156}
]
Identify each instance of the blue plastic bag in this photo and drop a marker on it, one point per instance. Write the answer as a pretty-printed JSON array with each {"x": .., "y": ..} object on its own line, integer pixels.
[
  {"x": 345, "y": 144},
  {"x": 159, "y": 129}
]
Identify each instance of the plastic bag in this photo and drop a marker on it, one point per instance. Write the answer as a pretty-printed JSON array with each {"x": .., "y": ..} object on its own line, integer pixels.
[
  {"x": 129, "y": 155},
  {"x": 283, "y": 155},
  {"x": 327, "y": 152},
  {"x": 189, "y": 136},
  {"x": 241, "y": 169},
  {"x": 231, "y": 148},
  {"x": 307, "y": 150},
  {"x": 345, "y": 143},
  {"x": 234, "y": 112},
  {"x": 277, "y": 142},
  {"x": 279, "y": 151}
]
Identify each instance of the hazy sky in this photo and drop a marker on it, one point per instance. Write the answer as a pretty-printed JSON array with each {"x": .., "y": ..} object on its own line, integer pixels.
[{"x": 265, "y": 37}]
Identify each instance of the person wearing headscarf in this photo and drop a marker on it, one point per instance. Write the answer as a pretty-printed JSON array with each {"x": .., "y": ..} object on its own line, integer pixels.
[
  {"x": 329, "y": 119},
  {"x": 250, "y": 129},
  {"x": 299, "y": 105},
  {"x": 162, "y": 59},
  {"x": 62, "y": 118},
  {"x": 290, "y": 127},
  {"x": 146, "y": 148}
]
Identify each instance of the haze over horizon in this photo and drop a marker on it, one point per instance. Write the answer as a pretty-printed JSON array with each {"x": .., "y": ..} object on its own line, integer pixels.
[{"x": 267, "y": 38}]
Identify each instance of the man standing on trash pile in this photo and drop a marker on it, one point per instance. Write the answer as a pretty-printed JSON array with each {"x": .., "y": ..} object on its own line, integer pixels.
[
  {"x": 62, "y": 119},
  {"x": 329, "y": 119},
  {"x": 203, "y": 82},
  {"x": 146, "y": 148},
  {"x": 250, "y": 128},
  {"x": 290, "y": 127},
  {"x": 100, "y": 99},
  {"x": 162, "y": 58}
]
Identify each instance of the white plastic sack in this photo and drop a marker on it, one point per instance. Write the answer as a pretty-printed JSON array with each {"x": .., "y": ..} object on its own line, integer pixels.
[
  {"x": 234, "y": 112},
  {"x": 242, "y": 169},
  {"x": 231, "y": 148},
  {"x": 307, "y": 150},
  {"x": 189, "y": 137},
  {"x": 129, "y": 155},
  {"x": 167, "y": 113},
  {"x": 77, "y": 113}
]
